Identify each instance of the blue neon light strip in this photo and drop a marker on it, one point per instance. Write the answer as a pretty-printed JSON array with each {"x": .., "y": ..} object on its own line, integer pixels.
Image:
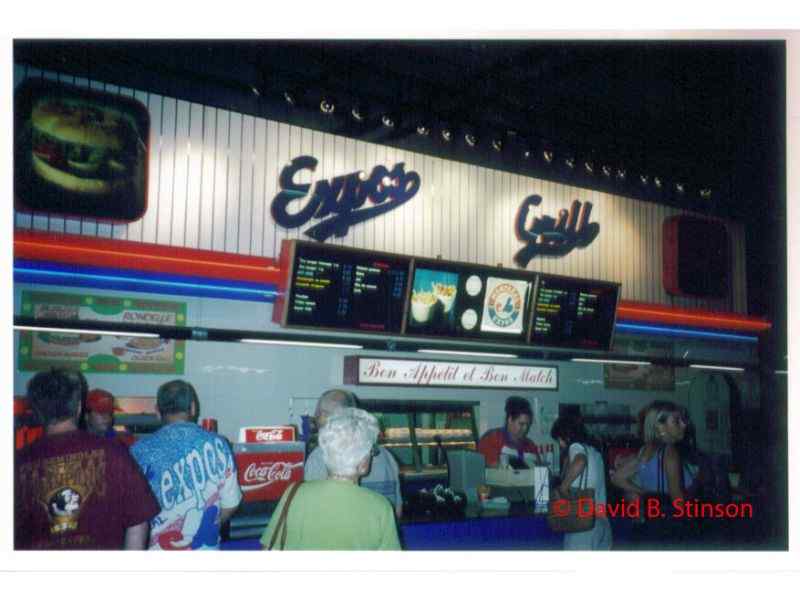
[
  {"x": 140, "y": 281},
  {"x": 680, "y": 332}
]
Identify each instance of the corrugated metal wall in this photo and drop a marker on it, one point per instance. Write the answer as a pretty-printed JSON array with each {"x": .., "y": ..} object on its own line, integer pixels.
[{"x": 214, "y": 173}]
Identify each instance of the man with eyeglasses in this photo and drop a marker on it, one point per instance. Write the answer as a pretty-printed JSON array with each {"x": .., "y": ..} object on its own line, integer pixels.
[{"x": 384, "y": 473}]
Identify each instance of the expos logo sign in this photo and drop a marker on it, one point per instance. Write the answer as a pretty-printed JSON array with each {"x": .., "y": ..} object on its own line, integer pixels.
[{"x": 339, "y": 201}]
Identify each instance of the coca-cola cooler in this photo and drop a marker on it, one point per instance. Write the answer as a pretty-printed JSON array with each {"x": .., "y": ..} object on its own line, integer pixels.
[{"x": 265, "y": 470}]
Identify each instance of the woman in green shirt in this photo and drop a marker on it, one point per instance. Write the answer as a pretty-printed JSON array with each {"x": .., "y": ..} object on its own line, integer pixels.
[{"x": 335, "y": 513}]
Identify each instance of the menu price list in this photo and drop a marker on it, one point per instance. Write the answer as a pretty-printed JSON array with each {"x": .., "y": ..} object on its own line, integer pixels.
[
  {"x": 366, "y": 295},
  {"x": 573, "y": 314}
]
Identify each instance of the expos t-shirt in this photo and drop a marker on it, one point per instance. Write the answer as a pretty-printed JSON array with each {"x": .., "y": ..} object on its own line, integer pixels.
[{"x": 193, "y": 475}]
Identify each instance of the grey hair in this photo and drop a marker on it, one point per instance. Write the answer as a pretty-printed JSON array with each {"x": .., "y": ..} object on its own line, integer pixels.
[
  {"x": 332, "y": 400},
  {"x": 347, "y": 439},
  {"x": 657, "y": 413}
]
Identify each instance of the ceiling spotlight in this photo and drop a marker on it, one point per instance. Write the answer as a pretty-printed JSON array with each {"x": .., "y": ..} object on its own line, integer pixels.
[
  {"x": 527, "y": 154},
  {"x": 357, "y": 113},
  {"x": 387, "y": 121},
  {"x": 423, "y": 130},
  {"x": 589, "y": 167},
  {"x": 447, "y": 135},
  {"x": 255, "y": 91},
  {"x": 471, "y": 140},
  {"x": 548, "y": 156},
  {"x": 621, "y": 173},
  {"x": 497, "y": 144},
  {"x": 679, "y": 188},
  {"x": 705, "y": 194},
  {"x": 657, "y": 181},
  {"x": 290, "y": 98},
  {"x": 327, "y": 106},
  {"x": 570, "y": 162},
  {"x": 645, "y": 179},
  {"x": 606, "y": 170}
]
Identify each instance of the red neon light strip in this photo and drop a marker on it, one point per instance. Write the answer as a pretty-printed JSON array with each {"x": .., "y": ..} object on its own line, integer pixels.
[
  {"x": 106, "y": 252},
  {"x": 122, "y": 254},
  {"x": 656, "y": 313}
]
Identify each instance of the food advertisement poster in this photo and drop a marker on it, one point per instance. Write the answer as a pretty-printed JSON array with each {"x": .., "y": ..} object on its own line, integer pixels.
[
  {"x": 93, "y": 353},
  {"x": 504, "y": 305},
  {"x": 80, "y": 152},
  {"x": 640, "y": 377},
  {"x": 432, "y": 299}
]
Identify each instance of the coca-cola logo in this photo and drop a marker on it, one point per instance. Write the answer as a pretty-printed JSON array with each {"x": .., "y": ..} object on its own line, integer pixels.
[
  {"x": 269, "y": 435},
  {"x": 266, "y": 473}
]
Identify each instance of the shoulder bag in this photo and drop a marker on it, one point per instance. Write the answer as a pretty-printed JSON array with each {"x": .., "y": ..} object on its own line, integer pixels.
[
  {"x": 280, "y": 529},
  {"x": 575, "y": 512}
]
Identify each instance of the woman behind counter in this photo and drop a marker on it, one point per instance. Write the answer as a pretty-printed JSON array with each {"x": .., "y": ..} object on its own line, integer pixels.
[
  {"x": 335, "y": 513},
  {"x": 510, "y": 444},
  {"x": 584, "y": 465}
]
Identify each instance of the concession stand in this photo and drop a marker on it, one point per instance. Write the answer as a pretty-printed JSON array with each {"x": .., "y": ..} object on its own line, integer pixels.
[{"x": 267, "y": 253}]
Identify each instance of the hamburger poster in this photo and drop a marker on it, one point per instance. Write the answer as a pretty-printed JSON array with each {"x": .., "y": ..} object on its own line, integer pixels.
[
  {"x": 80, "y": 152},
  {"x": 94, "y": 353}
]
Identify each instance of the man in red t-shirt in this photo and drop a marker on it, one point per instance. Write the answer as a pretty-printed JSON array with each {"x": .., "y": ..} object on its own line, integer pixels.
[
  {"x": 511, "y": 441},
  {"x": 73, "y": 489},
  {"x": 100, "y": 417}
]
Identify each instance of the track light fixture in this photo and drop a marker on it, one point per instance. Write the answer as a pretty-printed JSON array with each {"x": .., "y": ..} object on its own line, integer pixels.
[
  {"x": 497, "y": 144},
  {"x": 357, "y": 113},
  {"x": 548, "y": 156},
  {"x": 621, "y": 173},
  {"x": 447, "y": 135},
  {"x": 679, "y": 188},
  {"x": 705, "y": 194},
  {"x": 658, "y": 182},
  {"x": 570, "y": 162},
  {"x": 388, "y": 121},
  {"x": 589, "y": 167},
  {"x": 606, "y": 170},
  {"x": 290, "y": 97},
  {"x": 423, "y": 130},
  {"x": 645, "y": 179},
  {"x": 471, "y": 140},
  {"x": 326, "y": 106}
]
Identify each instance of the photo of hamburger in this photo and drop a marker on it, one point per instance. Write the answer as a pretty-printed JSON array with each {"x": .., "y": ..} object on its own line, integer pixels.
[
  {"x": 81, "y": 147},
  {"x": 80, "y": 152}
]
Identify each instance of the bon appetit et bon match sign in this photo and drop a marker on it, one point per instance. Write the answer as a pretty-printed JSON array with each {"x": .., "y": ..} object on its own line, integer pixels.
[{"x": 361, "y": 370}]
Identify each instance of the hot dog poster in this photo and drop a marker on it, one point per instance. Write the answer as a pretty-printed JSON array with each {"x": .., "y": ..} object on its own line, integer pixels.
[
  {"x": 95, "y": 353},
  {"x": 80, "y": 152}
]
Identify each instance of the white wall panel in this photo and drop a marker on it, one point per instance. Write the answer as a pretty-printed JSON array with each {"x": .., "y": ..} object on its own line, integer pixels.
[{"x": 213, "y": 175}]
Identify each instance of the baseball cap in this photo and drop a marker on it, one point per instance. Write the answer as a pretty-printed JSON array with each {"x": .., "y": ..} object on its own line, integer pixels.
[
  {"x": 175, "y": 396},
  {"x": 100, "y": 401}
]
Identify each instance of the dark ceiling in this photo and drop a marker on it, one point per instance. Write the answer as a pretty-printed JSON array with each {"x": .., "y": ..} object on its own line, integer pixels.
[{"x": 709, "y": 115}]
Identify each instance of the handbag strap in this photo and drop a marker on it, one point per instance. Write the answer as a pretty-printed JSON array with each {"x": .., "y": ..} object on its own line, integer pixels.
[
  {"x": 281, "y": 527},
  {"x": 662, "y": 476},
  {"x": 583, "y": 478}
]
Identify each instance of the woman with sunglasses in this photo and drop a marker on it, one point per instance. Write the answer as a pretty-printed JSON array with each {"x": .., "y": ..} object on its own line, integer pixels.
[
  {"x": 658, "y": 466},
  {"x": 657, "y": 473}
]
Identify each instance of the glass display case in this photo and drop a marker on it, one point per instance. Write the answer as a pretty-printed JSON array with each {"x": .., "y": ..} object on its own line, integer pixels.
[{"x": 419, "y": 433}]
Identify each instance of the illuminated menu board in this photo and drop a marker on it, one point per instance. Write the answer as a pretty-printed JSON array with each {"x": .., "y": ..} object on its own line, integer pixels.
[
  {"x": 469, "y": 301},
  {"x": 573, "y": 313},
  {"x": 346, "y": 289}
]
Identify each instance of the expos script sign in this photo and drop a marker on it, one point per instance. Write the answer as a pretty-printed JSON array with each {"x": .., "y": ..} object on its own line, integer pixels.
[
  {"x": 339, "y": 201},
  {"x": 360, "y": 370}
]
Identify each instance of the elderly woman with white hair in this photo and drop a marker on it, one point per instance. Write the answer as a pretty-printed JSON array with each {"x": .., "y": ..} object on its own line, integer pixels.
[{"x": 335, "y": 513}]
